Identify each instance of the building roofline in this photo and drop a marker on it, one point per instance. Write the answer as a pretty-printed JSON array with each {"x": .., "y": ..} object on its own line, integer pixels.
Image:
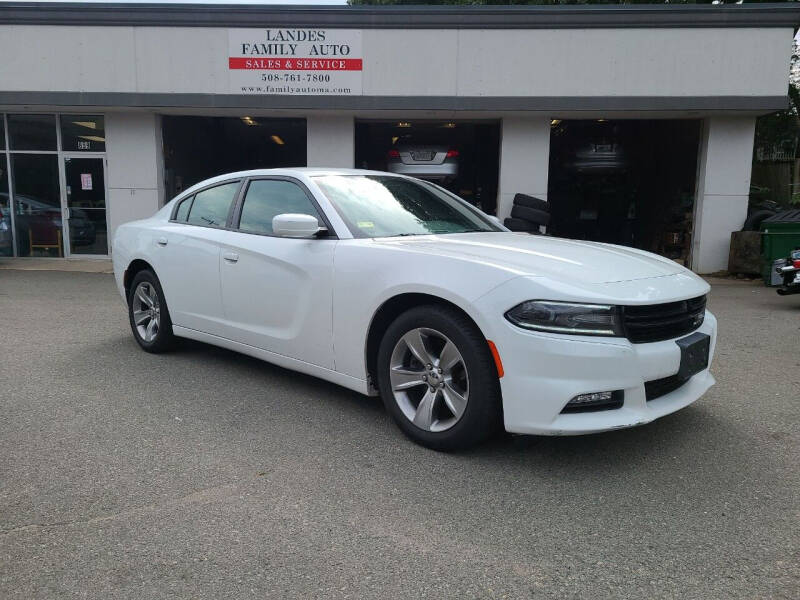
[
  {"x": 549, "y": 104},
  {"x": 394, "y": 17}
]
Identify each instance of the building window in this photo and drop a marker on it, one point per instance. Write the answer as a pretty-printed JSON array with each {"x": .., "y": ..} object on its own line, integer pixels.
[
  {"x": 32, "y": 132},
  {"x": 38, "y": 216},
  {"x": 83, "y": 133},
  {"x": 6, "y": 233},
  {"x": 37, "y": 205}
]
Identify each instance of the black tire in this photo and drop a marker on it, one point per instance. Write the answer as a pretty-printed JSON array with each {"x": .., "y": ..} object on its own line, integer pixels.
[
  {"x": 753, "y": 222},
  {"x": 163, "y": 339},
  {"x": 482, "y": 415},
  {"x": 530, "y": 214},
  {"x": 520, "y": 225},
  {"x": 531, "y": 202}
]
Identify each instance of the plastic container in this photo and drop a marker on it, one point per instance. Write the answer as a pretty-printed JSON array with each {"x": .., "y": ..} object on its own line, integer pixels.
[{"x": 780, "y": 235}]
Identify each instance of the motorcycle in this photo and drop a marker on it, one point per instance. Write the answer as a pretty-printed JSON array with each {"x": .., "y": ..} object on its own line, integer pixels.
[{"x": 790, "y": 271}]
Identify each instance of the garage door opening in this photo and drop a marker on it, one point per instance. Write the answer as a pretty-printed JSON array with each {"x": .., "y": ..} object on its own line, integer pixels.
[
  {"x": 460, "y": 156},
  {"x": 196, "y": 148},
  {"x": 626, "y": 182}
]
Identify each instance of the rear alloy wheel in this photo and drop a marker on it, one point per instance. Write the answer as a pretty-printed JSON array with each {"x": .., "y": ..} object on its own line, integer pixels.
[
  {"x": 146, "y": 311},
  {"x": 438, "y": 379},
  {"x": 148, "y": 314}
]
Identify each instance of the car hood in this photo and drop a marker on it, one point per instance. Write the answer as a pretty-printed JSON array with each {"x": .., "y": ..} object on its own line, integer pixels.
[{"x": 543, "y": 256}]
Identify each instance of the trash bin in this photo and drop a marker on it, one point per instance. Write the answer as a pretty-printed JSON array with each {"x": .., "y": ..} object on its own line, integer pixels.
[{"x": 781, "y": 235}]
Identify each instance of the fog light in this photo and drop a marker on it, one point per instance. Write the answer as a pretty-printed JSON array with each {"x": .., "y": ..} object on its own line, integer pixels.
[
  {"x": 595, "y": 397},
  {"x": 594, "y": 401}
]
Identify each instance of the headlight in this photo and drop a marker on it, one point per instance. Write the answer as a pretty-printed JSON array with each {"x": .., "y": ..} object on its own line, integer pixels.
[{"x": 567, "y": 317}]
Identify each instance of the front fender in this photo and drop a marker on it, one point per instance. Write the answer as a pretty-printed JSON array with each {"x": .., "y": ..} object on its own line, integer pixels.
[{"x": 368, "y": 275}]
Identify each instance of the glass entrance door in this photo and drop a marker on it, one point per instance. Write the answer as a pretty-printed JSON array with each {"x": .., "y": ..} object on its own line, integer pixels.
[{"x": 86, "y": 223}]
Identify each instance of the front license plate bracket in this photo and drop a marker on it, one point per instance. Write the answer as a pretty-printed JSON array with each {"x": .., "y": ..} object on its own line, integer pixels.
[{"x": 695, "y": 350}]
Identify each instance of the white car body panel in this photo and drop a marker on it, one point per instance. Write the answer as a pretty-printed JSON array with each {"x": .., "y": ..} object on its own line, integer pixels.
[
  {"x": 191, "y": 277},
  {"x": 307, "y": 304},
  {"x": 273, "y": 294},
  {"x": 554, "y": 368}
]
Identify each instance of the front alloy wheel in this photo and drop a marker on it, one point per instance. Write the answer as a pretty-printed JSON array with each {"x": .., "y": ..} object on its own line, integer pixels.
[
  {"x": 429, "y": 379},
  {"x": 438, "y": 379}
]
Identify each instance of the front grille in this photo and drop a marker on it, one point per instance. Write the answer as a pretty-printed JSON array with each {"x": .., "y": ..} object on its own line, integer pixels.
[
  {"x": 661, "y": 387},
  {"x": 658, "y": 322}
]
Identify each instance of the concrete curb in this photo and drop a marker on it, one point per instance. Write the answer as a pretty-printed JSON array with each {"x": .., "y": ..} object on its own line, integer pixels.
[{"x": 57, "y": 264}]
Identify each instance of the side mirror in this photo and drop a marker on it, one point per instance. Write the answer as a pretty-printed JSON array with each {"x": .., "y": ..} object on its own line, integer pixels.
[{"x": 295, "y": 225}]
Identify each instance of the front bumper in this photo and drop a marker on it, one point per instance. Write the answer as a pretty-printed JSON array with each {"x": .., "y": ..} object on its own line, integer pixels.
[{"x": 545, "y": 371}]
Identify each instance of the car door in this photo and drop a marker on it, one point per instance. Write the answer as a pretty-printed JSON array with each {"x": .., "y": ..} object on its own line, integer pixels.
[
  {"x": 188, "y": 249},
  {"x": 277, "y": 291}
]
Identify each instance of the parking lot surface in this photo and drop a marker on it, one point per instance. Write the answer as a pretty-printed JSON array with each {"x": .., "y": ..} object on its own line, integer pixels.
[{"x": 207, "y": 474}]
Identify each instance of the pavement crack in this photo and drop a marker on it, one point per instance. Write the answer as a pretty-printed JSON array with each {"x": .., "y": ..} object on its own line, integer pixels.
[
  {"x": 205, "y": 496},
  {"x": 33, "y": 526}
]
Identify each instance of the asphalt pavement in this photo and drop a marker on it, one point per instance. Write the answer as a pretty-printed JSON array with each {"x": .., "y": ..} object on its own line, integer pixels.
[{"x": 207, "y": 474}]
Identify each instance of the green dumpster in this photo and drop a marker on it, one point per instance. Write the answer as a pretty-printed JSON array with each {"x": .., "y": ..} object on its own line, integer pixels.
[{"x": 780, "y": 235}]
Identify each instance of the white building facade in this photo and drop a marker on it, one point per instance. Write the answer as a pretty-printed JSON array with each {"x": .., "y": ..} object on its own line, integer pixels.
[{"x": 98, "y": 101}]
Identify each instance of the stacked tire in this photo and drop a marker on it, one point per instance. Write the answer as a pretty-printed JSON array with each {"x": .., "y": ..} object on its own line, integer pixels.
[{"x": 528, "y": 214}]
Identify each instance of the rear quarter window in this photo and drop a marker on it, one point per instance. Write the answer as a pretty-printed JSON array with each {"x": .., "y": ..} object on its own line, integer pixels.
[{"x": 183, "y": 209}]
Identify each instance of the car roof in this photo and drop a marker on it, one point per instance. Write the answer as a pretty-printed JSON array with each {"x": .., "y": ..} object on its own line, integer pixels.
[{"x": 297, "y": 172}]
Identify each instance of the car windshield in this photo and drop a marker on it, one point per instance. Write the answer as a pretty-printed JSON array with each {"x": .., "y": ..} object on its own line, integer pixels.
[{"x": 385, "y": 206}]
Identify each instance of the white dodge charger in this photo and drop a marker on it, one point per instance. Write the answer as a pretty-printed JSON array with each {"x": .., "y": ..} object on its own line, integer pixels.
[{"x": 393, "y": 286}]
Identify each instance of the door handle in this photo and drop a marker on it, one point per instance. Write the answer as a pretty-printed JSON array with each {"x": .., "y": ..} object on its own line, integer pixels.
[
  {"x": 162, "y": 241},
  {"x": 231, "y": 257}
]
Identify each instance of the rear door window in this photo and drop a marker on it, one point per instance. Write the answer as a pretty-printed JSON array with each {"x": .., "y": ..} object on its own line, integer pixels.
[{"x": 211, "y": 206}]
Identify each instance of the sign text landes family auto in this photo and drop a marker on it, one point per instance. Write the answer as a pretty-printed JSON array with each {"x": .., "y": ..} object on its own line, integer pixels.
[{"x": 295, "y": 61}]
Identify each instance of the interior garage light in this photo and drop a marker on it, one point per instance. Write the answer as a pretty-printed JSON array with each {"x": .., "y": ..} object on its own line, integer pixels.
[
  {"x": 404, "y": 124},
  {"x": 449, "y": 125},
  {"x": 87, "y": 124},
  {"x": 555, "y": 122},
  {"x": 249, "y": 121},
  {"x": 277, "y": 139},
  {"x": 92, "y": 138}
]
